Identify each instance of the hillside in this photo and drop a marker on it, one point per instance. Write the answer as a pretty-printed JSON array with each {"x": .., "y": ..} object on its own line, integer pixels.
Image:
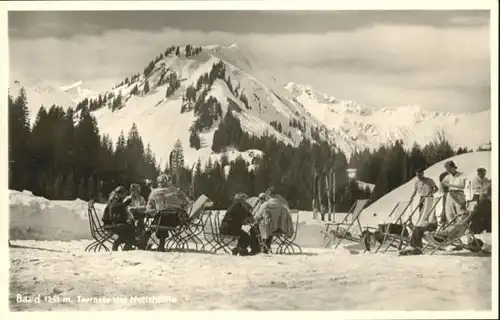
[
  {"x": 185, "y": 92},
  {"x": 201, "y": 88}
]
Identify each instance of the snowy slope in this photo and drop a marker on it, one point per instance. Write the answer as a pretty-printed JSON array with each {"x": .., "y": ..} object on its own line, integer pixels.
[
  {"x": 357, "y": 127},
  {"x": 36, "y": 218},
  {"x": 41, "y": 94},
  {"x": 466, "y": 163},
  {"x": 160, "y": 121}
]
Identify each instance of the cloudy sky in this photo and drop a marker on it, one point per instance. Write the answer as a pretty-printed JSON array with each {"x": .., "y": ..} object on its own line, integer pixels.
[{"x": 439, "y": 60}]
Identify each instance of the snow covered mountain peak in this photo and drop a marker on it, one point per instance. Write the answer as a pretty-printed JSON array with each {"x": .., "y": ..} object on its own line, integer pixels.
[
  {"x": 76, "y": 84},
  {"x": 40, "y": 94},
  {"x": 356, "y": 126},
  {"x": 307, "y": 91},
  {"x": 190, "y": 89},
  {"x": 77, "y": 91}
]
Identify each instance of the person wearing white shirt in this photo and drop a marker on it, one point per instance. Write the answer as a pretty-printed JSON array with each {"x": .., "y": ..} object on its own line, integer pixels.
[
  {"x": 480, "y": 185},
  {"x": 455, "y": 199},
  {"x": 424, "y": 187},
  {"x": 481, "y": 188}
]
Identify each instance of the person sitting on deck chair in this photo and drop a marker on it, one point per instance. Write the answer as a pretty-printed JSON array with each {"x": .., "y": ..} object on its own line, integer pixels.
[
  {"x": 116, "y": 215},
  {"x": 424, "y": 187},
  {"x": 273, "y": 216},
  {"x": 167, "y": 197},
  {"x": 458, "y": 228},
  {"x": 237, "y": 215}
]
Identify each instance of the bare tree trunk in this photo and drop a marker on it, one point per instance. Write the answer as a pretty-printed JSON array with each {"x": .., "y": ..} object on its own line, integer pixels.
[
  {"x": 331, "y": 191},
  {"x": 327, "y": 189}
]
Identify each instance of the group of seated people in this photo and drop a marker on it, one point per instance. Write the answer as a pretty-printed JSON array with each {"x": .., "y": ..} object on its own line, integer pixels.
[
  {"x": 456, "y": 217},
  {"x": 128, "y": 214},
  {"x": 269, "y": 214}
]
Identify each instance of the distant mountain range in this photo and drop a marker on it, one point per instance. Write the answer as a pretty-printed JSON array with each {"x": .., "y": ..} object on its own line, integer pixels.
[{"x": 194, "y": 87}]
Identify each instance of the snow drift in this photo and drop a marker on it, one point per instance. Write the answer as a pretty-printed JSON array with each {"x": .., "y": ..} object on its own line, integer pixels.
[
  {"x": 466, "y": 163},
  {"x": 36, "y": 218}
]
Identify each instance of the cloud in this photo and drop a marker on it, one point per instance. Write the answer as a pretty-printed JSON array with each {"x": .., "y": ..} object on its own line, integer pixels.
[
  {"x": 69, "y": 23},
  {"x": 439, "y": 68}
]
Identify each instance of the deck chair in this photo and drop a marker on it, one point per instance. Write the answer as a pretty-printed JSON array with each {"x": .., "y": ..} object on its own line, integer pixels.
[
  {"x": 190, "y": 227},
  {"x": 209, "y": 232},
  {"x": 102, "y": 235},
  {"x": 397, "y": 229},
  {"x": 402, "y": 240},
  {"x": 285, "y": 245},
  {"x": 429, "y": 209},
  {"x": 355, "y": 212},
  {"x": 222, "y": 241},
  {"x": 452, "y": 232}
]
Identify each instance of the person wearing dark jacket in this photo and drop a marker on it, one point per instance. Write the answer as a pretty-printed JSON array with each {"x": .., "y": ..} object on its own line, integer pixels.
[
  {"x": 120, "y": 219},
  {"x": 237, "y": 215}
]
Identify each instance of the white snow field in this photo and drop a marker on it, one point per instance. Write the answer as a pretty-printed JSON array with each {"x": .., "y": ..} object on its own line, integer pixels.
[{"x": 48, "y": 259}]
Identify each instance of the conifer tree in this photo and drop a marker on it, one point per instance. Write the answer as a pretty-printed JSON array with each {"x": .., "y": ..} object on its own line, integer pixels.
[{"x": 194, "y": 139}]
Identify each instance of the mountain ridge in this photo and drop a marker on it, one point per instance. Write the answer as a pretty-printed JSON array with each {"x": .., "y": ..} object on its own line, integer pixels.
[{"x": 185, "y": 93}]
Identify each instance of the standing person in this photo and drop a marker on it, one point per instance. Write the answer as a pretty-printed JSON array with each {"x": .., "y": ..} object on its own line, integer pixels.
[
  {"x": 424, "y": 187},
  {"x": 455, "y": 181},
  {"x": 444, "y": 189},
  {"x": 167, "y": 198},
  {"x": 480, "y": 185}
]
